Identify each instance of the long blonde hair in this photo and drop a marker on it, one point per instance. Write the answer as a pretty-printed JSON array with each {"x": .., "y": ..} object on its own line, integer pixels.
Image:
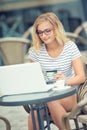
[{"x": 58, "y": 27}]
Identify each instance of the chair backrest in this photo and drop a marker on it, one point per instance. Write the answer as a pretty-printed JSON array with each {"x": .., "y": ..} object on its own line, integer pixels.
[
  {"x": 82, "y": 93},
  {"x": 12, "y": 50}
]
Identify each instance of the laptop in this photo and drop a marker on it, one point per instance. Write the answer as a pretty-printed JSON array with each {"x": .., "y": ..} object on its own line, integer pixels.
[{"x": 22, "y": 78}]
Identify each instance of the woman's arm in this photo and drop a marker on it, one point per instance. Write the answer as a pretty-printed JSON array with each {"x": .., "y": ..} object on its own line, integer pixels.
[
  {"x": 79, "y": 73},
  {"x": 31, "y": 60}
]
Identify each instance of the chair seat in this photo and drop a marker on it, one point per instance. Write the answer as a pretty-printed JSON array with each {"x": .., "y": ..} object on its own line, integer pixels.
[{"x": 82, "y": 118}]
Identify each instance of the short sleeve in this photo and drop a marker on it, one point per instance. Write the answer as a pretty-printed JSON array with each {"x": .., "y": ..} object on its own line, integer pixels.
[
  {"x": 75, "y": 52},
  {"x": 33, "y": 55}
]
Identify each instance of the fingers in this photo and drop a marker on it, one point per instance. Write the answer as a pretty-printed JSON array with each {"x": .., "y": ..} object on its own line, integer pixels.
[{"x": 59, "y": 76}]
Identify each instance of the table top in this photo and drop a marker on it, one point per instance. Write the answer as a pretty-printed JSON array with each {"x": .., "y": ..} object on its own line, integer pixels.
[{"x": 35, "y": 98}]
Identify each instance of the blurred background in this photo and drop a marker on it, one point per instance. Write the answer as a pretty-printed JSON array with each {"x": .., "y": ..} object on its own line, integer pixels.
[{"x": 17, "y": 18}]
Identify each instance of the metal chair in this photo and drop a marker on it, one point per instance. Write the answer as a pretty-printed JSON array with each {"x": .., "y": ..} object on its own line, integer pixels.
[
  {"x": 8, "y": 126},
  {"x": 83, "y": 119},
  {"x": 78, "y": 114}
]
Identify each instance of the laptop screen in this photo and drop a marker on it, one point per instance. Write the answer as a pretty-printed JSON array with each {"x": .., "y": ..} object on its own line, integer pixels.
[{"x": 22, "y": 78}]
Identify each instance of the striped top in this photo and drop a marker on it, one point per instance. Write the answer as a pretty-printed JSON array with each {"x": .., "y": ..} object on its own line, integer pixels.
[{"x": 62, "y": 63}]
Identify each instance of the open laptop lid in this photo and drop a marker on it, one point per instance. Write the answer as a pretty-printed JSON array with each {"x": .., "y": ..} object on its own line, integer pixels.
[{"x": 22, "y": 78}]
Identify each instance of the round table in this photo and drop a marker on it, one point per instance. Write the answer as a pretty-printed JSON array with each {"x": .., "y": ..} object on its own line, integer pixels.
[{"x": 37, "y": 101}]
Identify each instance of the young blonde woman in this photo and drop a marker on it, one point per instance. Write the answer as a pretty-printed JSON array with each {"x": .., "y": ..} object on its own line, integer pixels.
[{"x": 54, "y": 51}]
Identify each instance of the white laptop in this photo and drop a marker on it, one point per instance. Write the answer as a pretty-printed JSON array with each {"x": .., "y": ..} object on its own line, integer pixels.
[{"x": 22, "y": 78}]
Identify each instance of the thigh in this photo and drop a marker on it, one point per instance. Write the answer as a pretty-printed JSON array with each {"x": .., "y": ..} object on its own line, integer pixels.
[{"x": 69, "y": 102}]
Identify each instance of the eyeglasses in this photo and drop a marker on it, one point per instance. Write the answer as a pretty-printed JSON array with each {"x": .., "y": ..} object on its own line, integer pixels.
[{"x": 46, "y": 32}]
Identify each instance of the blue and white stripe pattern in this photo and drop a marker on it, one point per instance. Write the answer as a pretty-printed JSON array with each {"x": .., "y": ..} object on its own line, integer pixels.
[{"x": 62, "y": 63}]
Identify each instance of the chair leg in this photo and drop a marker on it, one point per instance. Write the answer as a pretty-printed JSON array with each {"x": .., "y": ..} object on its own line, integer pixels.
[
  {"x": 84, "y": 126},
  {"x": 66, "y": 123},
  {"x": 8, "y": 126},
  {"x": 76, "y": 124}
]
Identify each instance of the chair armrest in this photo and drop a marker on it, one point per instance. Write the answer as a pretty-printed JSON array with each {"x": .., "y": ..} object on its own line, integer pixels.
[
  {"x": 82, "y": 94},
  {"x": 8, "y": 126},
  {"x": 82, "y": 119},
  {"x": 76, "y": 110},
  {"x": 84, "y": 109}
]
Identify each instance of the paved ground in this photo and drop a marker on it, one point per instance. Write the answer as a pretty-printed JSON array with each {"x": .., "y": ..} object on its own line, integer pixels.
[{"x": 17, "y": 117}]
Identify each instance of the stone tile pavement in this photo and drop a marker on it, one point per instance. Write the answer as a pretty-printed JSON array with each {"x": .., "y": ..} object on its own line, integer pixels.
[{"x": 18, "y": 118}]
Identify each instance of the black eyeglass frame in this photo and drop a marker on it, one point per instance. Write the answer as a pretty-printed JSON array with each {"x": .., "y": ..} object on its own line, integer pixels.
[{"x": 46, "y": 32}]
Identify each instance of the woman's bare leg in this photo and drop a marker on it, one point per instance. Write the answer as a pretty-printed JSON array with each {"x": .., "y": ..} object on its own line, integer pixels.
[
  {"x": 59, "y": 107},
  {"x": 30, "y": 124}
]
